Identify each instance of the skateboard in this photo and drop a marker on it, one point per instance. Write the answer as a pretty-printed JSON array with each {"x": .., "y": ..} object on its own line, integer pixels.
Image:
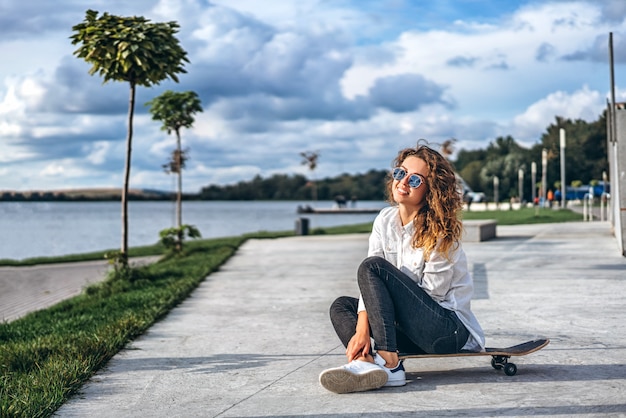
[{"x": 499, "y": 356}]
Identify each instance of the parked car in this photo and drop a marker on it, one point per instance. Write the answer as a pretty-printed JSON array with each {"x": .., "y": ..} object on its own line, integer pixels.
[{"x": 477, "y": 197}]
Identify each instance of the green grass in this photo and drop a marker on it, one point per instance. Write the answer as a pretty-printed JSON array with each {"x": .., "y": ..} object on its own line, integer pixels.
[
  {"x": 525, "y": 216},
  {"x": 47, "y": 355},
  {"x": 155, "y": 249}
]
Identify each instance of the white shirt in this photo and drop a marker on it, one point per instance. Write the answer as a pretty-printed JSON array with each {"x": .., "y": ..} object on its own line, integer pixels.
[{"x": 448, "y": 282}]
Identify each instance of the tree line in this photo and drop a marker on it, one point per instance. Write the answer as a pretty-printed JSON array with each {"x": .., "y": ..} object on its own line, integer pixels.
[
  {"x": 585, "y": 159},
  {"x": 368, "y": 186}
]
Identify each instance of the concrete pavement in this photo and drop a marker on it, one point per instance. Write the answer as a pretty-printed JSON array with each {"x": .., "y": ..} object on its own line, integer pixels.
[
  {"x": 253, "y": 338},
  {"x": 27, "y": 289}
]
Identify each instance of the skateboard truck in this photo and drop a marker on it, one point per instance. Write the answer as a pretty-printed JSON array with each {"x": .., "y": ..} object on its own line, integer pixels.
[{"x": 502, "y": 362}]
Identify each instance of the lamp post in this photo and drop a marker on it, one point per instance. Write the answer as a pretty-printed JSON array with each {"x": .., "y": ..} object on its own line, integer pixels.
[
  {"x": 520, "y": 185},
  {"x": 496, "y": 197},
  {"x": 533, "y": 180},
  {"x": 563, "y": 184},
  {"x": 544, "y": 175}
]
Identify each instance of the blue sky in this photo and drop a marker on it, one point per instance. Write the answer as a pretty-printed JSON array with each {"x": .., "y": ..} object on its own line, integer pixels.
[{"x": 352, "y": 80}]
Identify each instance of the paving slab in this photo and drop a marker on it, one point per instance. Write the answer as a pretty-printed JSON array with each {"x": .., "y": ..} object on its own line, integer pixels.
[{"x": 254, "y": 336}]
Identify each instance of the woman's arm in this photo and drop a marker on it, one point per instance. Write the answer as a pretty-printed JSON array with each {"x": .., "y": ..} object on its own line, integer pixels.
[{"x": 360, "y": 344}]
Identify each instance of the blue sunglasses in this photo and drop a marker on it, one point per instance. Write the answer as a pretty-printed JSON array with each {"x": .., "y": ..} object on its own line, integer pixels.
[{"x": 415, "y": 180}]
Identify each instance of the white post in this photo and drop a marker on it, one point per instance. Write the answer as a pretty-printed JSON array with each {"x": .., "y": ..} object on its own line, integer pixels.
[
  {"x": 544, "y": 175},
  {"x": 496, "y": 197},
  {"x": 602, "y": 198},
  {"x": 533, "y": 181},
  {"x": 520, "y": 185},
  {"x": 563, "y": 184},
  {"x": 605, "y": 195}
]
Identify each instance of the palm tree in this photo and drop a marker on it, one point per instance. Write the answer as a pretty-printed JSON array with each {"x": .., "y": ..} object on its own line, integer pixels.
[
  {"x": 132, "y": 50},
  {"x": 309, "y": 158},
  {"x": 176, "y": 111}
]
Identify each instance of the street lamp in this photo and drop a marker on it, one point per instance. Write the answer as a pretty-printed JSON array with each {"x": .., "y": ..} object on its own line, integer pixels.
[
  {"x": 520, "y": 185},
  {"x": 496, "y": 197},
  {"x": 533, "y": 180},
  {"x": 563, "y": 186},
  {"x": 544, "y": 175}
]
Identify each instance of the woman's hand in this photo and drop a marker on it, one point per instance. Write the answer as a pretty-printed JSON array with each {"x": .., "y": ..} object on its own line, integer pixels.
[
  {"x": 360, "y": 343},
  {"x": 359, "y": 346}
]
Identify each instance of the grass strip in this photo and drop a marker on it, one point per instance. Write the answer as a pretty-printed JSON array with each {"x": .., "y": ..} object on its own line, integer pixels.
[
  {"x": 147, "y": 250},
  {"x": 525, "y": 216},
  {"x": 47, "y": 355}
]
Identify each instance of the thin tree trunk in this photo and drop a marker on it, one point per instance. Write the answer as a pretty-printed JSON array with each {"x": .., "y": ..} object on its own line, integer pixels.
[
  {"x": 129, "y": 140},
  {"x": 179, "y": 196}
]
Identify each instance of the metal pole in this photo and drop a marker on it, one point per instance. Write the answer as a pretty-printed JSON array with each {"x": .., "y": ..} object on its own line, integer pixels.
[
  {"x": 520, "y": 185},
  {"x": 533, "y": 181},
  {"x": 602, "y": 208},
  {"x": 563, "y": 184},
  {"x": 605, "y": 198},
  {"x": 544, "y": 175},
  {"x": 496, "y": 197},
  {"x": 613, "y": 135}
]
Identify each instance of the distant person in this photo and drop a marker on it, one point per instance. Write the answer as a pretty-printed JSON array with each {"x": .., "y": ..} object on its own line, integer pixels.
[
  {"x": 550, "y": 197},
  {"x": 341, "y": 201},
  {"x": 415, "y": 285}
]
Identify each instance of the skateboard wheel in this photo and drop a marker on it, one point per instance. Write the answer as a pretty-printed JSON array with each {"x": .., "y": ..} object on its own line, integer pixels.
[
  {"x": 495, "y": 364},
  {"x": 510, "y": 369}
]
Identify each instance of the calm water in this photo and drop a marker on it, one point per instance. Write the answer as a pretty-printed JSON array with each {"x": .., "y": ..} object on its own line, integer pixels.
[{"x": 32, "y": 229}]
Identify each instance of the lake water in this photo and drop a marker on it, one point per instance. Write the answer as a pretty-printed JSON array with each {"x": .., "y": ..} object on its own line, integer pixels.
[{"x": 33, "y": 229}]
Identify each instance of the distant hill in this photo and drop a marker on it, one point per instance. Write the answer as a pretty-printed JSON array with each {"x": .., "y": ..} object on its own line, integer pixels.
[{"x": 87, "y": 194}]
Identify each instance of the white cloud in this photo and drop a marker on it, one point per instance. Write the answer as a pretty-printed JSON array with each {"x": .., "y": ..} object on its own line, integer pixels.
[
  {"x": 31, "y": 91},
  {"x": 583, "y": 104},
  {"x": 54, "y": 169},
  {"x": 98, "y": 152},
  {"x": 496, "y": 58}
]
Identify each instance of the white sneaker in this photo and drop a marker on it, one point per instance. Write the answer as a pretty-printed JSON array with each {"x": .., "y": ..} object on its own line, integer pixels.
[
  {"x": 395, "y": 376},
  {"x": 356, "y": 376}
]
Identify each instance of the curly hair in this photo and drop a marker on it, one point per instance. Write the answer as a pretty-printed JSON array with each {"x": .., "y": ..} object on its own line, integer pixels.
[{"x": 437, "y": 224}]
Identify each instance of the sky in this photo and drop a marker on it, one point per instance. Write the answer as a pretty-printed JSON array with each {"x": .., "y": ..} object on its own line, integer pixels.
[{"x": 352, "y": 80}]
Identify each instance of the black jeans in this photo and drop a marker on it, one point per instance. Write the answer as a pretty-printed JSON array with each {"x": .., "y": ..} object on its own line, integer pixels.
[{"x": 402, "y": 316}]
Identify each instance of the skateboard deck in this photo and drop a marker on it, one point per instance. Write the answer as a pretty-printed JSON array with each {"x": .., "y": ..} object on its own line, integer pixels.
[{"x": 499, "y": 356}]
